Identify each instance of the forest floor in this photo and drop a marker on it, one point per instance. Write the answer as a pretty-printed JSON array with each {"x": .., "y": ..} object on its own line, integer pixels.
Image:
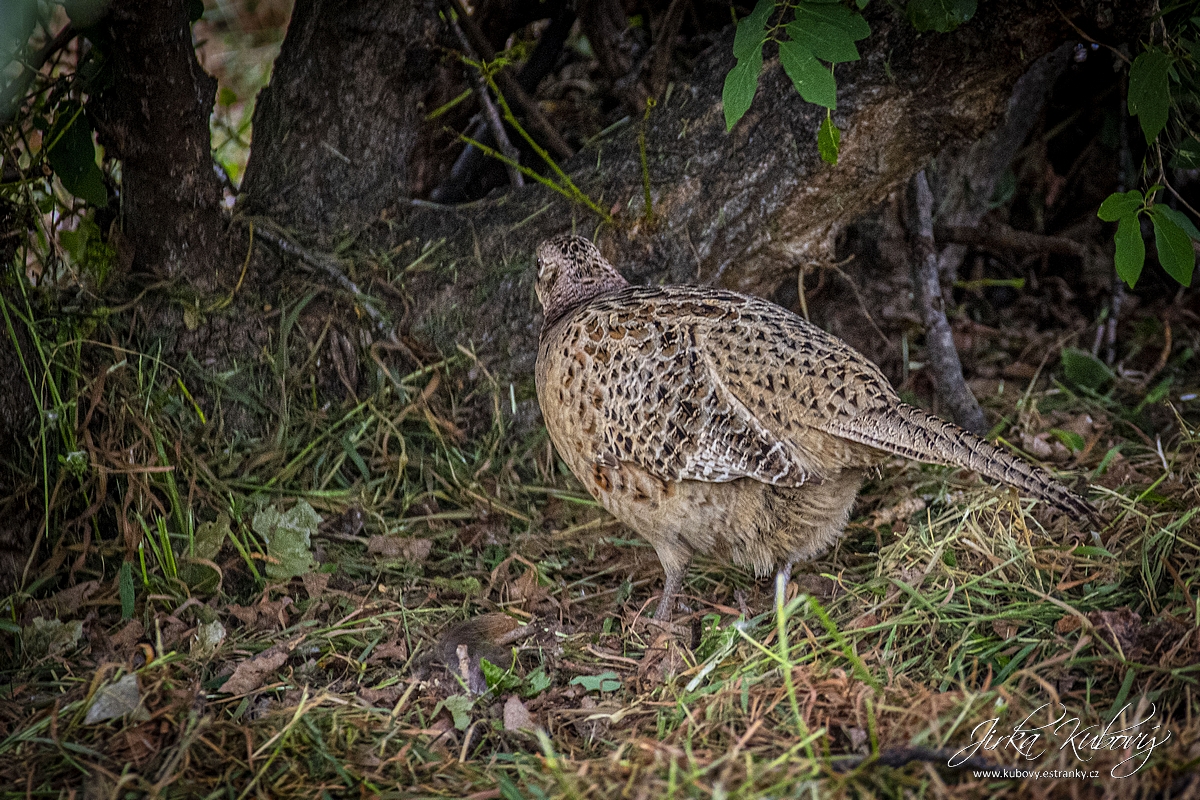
[{"x": 392, "y": 598}]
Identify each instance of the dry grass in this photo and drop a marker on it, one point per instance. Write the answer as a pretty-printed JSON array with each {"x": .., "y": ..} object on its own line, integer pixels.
[{"x": 947, "y": 604}]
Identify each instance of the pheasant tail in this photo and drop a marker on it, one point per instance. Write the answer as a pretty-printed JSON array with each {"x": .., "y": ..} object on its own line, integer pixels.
[{"x": 908, "y": 431}]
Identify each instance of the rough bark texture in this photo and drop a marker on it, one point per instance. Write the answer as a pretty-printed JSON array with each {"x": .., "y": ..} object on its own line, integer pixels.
[
  {"x": 154, "y": 117},
  {"x": 965, "y": 178},
  {"x": 744, "y": 209},
  {"x": 335, "y": 131},
  {"x": 18, "y": 417}
]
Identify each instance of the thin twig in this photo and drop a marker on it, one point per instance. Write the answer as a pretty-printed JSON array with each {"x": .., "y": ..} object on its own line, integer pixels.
[
  {"x": 324, "y": 263},
  {"x": 858, "y": 295},
  {"x": 16, "y": 87},
  {"x": 942, "y": 356},
  {"x": 998, "y": 236},
  {"x": 528, "y": 106},
  {"x": 489, "y": 108},
  {"x": 1128, "y": 176},
  {"x": 663, "y": 46}
]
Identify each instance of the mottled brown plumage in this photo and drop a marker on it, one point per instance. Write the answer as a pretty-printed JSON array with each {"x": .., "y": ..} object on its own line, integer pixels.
[{"x": 710, "y": 421}]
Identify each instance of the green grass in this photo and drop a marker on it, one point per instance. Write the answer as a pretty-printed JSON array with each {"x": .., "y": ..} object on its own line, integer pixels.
[{"x": 947, "y": 604}]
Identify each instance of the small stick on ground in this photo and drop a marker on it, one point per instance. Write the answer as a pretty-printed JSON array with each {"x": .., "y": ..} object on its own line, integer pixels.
[{"x": 942, "y": 356}]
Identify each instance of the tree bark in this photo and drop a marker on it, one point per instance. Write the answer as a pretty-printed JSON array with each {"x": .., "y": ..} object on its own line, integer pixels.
[
  {"x": 153, "y": 115},
  {"x": 19, "y": 507},
  {"x": 740, "y": 209},
  {"x": 965, "y": 178},
  {"x": 336, "y": 130}
]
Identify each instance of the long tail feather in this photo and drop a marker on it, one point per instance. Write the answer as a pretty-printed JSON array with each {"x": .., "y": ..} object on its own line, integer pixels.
[{"x": 908, "y": 431}]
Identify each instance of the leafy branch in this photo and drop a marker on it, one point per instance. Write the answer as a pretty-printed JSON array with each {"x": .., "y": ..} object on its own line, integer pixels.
[
  {"x": 820, "y": 32},
  {"x": 1150, "y": 97},
  {"x": 1173, "y": 235}
]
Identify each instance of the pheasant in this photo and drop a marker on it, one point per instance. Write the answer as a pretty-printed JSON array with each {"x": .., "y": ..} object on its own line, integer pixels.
[{"x": 715, "y": 422}]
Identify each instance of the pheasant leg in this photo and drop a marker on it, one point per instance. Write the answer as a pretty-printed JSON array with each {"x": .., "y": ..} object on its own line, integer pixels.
[
  {"x": 781, "y": 581},
  {"x": 670, "y": 588}
]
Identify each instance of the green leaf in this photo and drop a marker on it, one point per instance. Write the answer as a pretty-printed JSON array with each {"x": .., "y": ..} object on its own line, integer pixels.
[
  {"x": 351, "y": 450},
  {"x": 1149, "y": 92},
  {"x": 17, "y": 21},
  {"x": 497, "y": 678},
  {"x": 1118, "y": 205},
  {"x": 50, "y": 637},
  {"x": 829, "y": 140},
  {"x": 812, "y": 79},
  {"x": 604, "y": 682},
  {"x": 85, "y": 14},
  {"x": 1174, "y": 246},
  {"x": 288, "y": 537},
  {"x": 1180, "y": 219},
  {"x": 508, "y": 789},
  {"x": 828, "y": 31},
  {"x": 72, "y": 155},
  {"x": 536, "y": 683},
  {"x": 751, "y": 31},
  {"x": 740, "y": 85},
  {"x": 76, "y": 242},
  {"x": 1187, "y": 154},
  {"x": 942, "y": 16},
  {"x": 210, "y": 536},
  {"x": 1083, "y": 369},
  {"x": 459, "y": 706},
  {"x": 125, "y": 589},
  {"x": 742, "y": 81},
  {"x": 1071, "y": 439},
  {"x": 1131, "y": 250}
]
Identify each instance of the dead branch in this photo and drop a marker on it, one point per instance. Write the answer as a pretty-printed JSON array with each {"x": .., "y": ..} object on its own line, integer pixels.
[
  {"x": 660, "y": 57},
  {"x": 998, "y": 237},
  {"x": 512, "y": 90},
  {"x": 489, "y": 111},
  {"x": 603, "y": 21},
  {"x": 942, "y": 356}
]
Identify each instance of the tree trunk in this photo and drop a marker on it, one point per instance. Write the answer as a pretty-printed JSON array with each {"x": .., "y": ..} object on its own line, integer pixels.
[
  {"x": 19, "y": 513},
  {"x": 153, "y": 115},
  {"x": 742, "y": 209},
  {"x": 340, "y": 124}
]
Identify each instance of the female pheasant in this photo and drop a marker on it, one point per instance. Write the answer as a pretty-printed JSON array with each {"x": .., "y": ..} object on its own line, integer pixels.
[{"x": 714, "y": 422}]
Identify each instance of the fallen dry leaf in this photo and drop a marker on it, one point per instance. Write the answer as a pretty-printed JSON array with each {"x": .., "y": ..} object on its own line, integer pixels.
[
  {"x": 248, "y": 615},
  {"x": 392, "y": 651},
  {"x": 128, "y": 636},
  {"x": 525, "y": 589},
  {"x": 862, "y": 621},
  {"x": 251, "y": 673},
  {"x": 115, "y": 700},
  {"x": 516, "y": 715},
  {"x": 315, "y": 583},
  {"x": 1120, "y": 627},
  {"x": 405, "y": 548},
  {"x": 1005, "y": 629},
  {"x": 68, "y": 601}
]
